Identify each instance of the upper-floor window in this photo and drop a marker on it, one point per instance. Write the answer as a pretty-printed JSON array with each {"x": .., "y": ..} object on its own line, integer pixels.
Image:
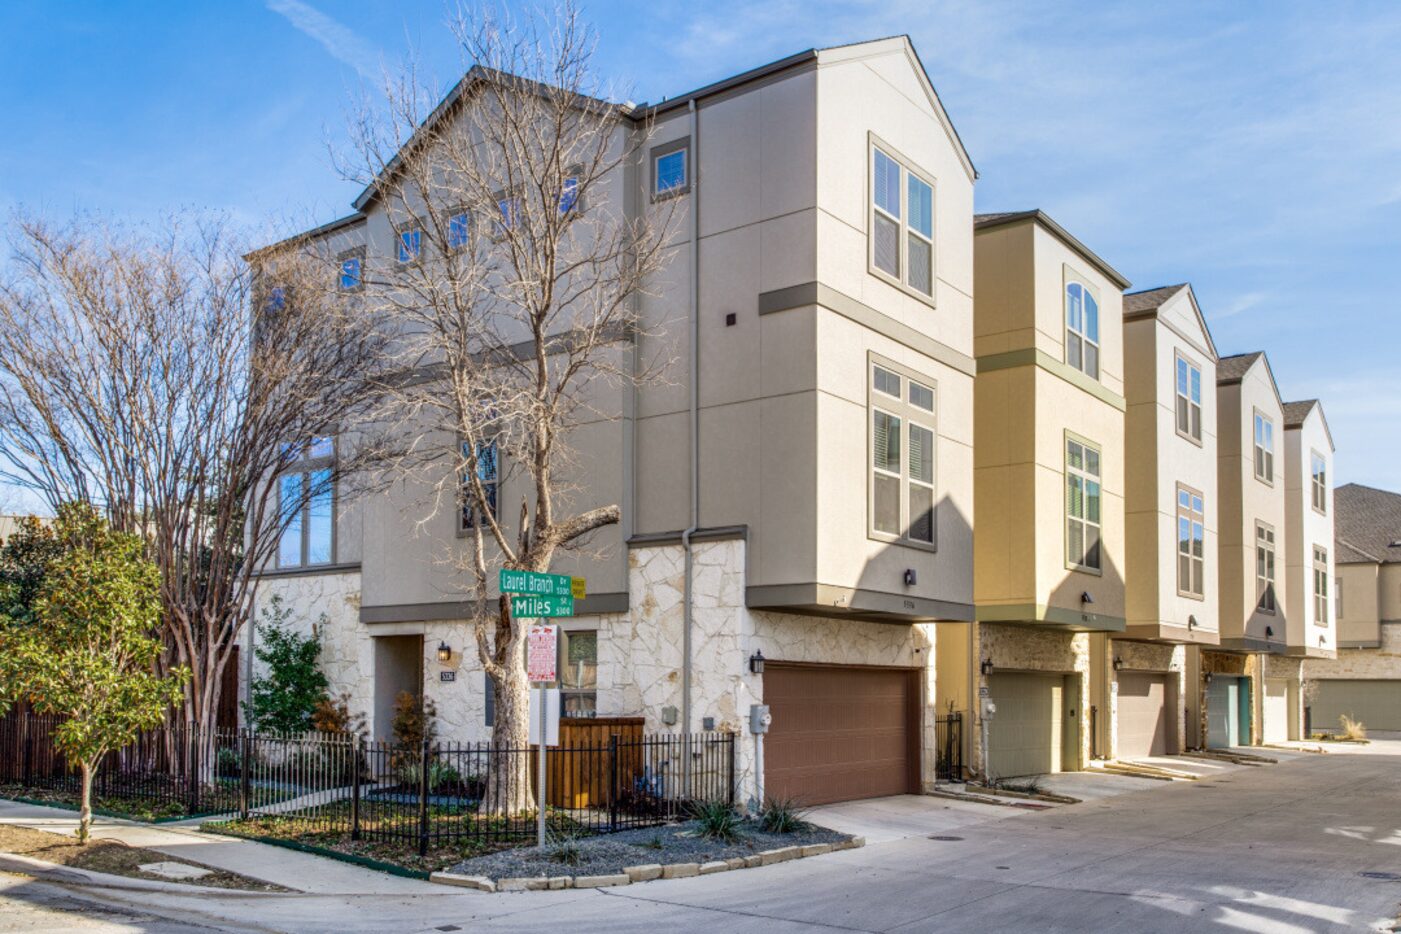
[
  {"x": 1264, "y": 448},
  {"x": 1338, "y": 598},
  {"x": 1318, "y": 469},
  {"x": 488, "y": 472},
  {"x": 410, "y": 242},
  {"x": 902, "y": 223},
  {"x": 569, "y": 195},
  {"x": 1320, "y": 585},
  {"x": 350, "y": 273},
  {"x": 459, "y": 230},
  {"x": 671, "y": 168},
  {"x": 1082, "y": 329},
  {"x": 306, "y": 504},
  {"x": 1082, "y": 505},
  {"x": 1189, "y": 399},
  {"x": 902, "y": 457},
  {"x": 1265, "y": 567},
  {"x": 507, "y": 215},
  {"x": 1191, "y": 549}
]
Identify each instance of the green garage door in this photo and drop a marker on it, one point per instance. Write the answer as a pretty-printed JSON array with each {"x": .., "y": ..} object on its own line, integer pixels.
[
  {"x": 1228, "y": 712},
  {"x": 1377, "y": 704},
  {"x": 1026, "y": 736}
]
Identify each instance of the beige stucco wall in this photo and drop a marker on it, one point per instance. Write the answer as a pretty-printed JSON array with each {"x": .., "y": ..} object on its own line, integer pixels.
[
  {"x": 1361, "y": 586},
  {"x": 1307, "y": 527}
]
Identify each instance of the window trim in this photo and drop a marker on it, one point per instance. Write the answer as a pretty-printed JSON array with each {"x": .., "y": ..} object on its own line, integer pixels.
[
  {"x": 399, "y": 253},
  {"x": 1065, "y": 502},
  {"x": 909, "y": 414},
  {"x": 302, "y": 467},
  {"x": 459, "y": 211},
  {"x": 1273, "y": 610},
  {"x": 1201, "y": 406},
  {"x": 1071, "y": 277},
  {"x": 665, "y": 149},
  {"x": 1255, "y": 446},
  {"x": 908, "y": 165},
  {"x": 341, "y": 259},
  {"x": 1320, "y": 596},
  {"x": 1338, "y": 597},
  {"x": 1191, "y": 517},
  {"x": 1314, "y": 485},
  {"x": 463, "y": 529},
  {"x": 560, "y": 665}
]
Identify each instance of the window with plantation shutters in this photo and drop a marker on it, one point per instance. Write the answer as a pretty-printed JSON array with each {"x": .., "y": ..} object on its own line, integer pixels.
[
  {"x": 1191, "y": 547},
  {"x": 1320, "y": 585},
  {"x": 1265, "y": 566},
  {"x": 1264, "y": 448},
  {"x": 1318, "y": 486},
  {"x": 903, "y": 457},
  {"x": 902, "y": 223},
  {"x": 1083, "y": 495},
  {"x": 1189, "y": 399}
]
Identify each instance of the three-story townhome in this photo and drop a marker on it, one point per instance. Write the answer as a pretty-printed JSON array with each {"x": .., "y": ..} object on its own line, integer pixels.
[
  {"x": 1049, "y": 492},
  {"x": 1170, "y": 515},
  {"x": 796, "y": 491}
]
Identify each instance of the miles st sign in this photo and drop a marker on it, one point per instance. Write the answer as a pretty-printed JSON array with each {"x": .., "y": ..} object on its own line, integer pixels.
[{"x": 531, "y": 605}]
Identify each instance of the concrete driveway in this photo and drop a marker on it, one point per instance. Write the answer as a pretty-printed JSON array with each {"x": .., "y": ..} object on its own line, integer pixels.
[{"x": 1311, "y": 844}]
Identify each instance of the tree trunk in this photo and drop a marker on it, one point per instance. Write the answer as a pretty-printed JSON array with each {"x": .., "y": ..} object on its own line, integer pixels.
[
  {"x": 85, "y": 804},
  {"x": 508, "y": 776}
]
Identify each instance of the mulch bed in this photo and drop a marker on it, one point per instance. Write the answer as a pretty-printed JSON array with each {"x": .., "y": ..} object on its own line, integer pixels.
[{"x": 603, "y": 855}]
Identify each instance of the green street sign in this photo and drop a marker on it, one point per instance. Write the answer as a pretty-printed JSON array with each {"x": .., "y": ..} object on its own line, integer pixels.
[
  {"x": 532, "y": 605},
  {"x": 531, "y": 582}
]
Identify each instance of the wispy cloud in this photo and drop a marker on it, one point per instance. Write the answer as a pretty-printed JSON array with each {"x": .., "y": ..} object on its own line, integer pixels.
[
  {"x": 337, "y": 39},
  {"x": 1239, "y": 304}
]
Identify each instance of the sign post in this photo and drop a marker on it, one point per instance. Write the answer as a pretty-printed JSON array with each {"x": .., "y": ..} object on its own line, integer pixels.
[{"x": 542, "y": 653}]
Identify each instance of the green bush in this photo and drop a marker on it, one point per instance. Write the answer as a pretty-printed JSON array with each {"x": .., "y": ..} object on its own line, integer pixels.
[
  {"x": 286, "y": 694},
  {"x": 783, "y": 815},
  {"x": 717, "y": 820}
]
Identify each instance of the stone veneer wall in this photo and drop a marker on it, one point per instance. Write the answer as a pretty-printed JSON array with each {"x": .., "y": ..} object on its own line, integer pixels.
[
  {"x": 1227, "y": 663},
  {"x": 1158, "y": 658},
  {"x": 1033, "y": 648},
  {"x": 1383, "y": 662}
]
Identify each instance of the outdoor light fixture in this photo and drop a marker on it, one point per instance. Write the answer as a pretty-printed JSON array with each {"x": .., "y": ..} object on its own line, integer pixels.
[
  {"x": 1118, "y": 663},
  {"x": 986, "y": 666},
  {"x": 910, "y": 577},
  {"x": 1191, "y": 623},
  {"x": 444, "y": 652},
  {"x": 756, "y": 662},
  {"x": 1207, "y": 677},
  {"x": 1086, "y": 599},
  {"x": 1269, "y": 632}
]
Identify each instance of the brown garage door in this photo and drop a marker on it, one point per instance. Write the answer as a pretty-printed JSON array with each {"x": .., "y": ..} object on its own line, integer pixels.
[
  {"x": 1143, "y": 714},
  {"x": 840, "y": 733}
]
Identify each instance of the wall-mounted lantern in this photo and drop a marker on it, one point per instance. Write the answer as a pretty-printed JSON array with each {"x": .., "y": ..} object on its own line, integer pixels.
[
  {"x": 1269, "y": 632},
  {"x": 1118, "y": 663},
  {"x": 444, "y": 652},
  {"x": 1207, "y": 677},
  {"x": 756, "y": 663},
  {"x": 911, "y": 578},
  {"x": 1191, "y": 623},
  {"x": 986, "y": 666},
  {"x": 1086, "y": 599}
]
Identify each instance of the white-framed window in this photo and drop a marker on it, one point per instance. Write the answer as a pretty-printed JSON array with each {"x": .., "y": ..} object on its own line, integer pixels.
[
  {"x": 489, "y": 472},
  {"x": 1320, "y": 585},
  {"x": 1265, "y": 567},
  {"x": 306, "y": 500},
  {"x": 1082, "y": 328},
  {"x": 1189, "y": 399},
  {"x": 1191, "y": 545},
  {"x": 1083, "y": 496},
  {"x": 903, "y": 458},
  {"x": 671, "y": 168},
  {"x": 1264, "y": 447},
  {"x": 902, "y": 222},
  {"x": 578, "y": 672},
  {"x": 410, "y": 244},
  {"x": 1318, "y": 471},
  {"x": 459, "y": 229}
]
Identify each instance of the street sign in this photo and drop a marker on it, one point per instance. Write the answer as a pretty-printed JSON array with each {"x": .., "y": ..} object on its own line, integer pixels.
[
  {"x": 551, "y": 716},
  {"x": 531, "y": 582},
  {"x": 577, "y": 588},
  {"x": 523, "y": 606},
  {"x": 542, "y": 652}
]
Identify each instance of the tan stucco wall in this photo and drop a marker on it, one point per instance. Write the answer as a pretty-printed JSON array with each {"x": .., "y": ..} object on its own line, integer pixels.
[
  {"x": 1308, "y": 527},
  {"x": 1362, "y": 590}
]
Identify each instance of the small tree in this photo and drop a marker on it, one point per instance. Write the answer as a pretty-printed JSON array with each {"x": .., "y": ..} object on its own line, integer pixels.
[
  {"x": 88, "y": 653},
  {"x": 285, "y": 697}
]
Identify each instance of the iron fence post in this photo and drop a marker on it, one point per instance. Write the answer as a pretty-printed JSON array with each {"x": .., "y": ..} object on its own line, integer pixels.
[
  {"x": 423, "y": 800},
  {"x": 28, "y": 753},
  {"x": 355, "y": 786},
  {"x": 732, "y": 770},
  {"x": 613, "y": 782},
  {"x": 243, "y": 777}
]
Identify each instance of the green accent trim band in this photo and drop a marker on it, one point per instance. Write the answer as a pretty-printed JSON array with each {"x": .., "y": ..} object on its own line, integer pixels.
[
  {"x": 219, "y": 829},
  {"x": 815, "y": 293},
  {"x": 1031, "y": 356},
  {"x": 1051, "y": 616}
]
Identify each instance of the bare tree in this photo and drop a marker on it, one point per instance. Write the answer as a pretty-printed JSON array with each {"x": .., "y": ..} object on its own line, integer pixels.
[
  {"x": 139, "y": 374},
  {"x": 514, "y": 297}
]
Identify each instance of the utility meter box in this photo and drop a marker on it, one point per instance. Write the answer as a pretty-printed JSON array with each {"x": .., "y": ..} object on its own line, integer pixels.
[
  {"x": 989, "y": 708},
  {"x": 759, "y": 718}
]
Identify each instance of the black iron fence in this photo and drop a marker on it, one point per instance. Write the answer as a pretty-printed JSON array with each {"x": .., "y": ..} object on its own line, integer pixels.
[
  {"x": 427, "y": 795},
  {"x": 948, "y": 747}
]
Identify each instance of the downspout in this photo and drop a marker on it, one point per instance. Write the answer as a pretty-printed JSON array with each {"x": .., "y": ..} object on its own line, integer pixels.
[{"x": 694, "y": 380}]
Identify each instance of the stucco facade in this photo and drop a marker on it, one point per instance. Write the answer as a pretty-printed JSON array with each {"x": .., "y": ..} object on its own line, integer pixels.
[{"x": 1310, "y": 617}]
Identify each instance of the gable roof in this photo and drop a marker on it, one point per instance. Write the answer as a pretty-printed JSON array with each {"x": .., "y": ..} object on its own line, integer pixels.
[
  {"x": 1146, "y": 304},
  {"x": 1366, "y": 523},
  {"x": 1296, "y": 412},
  {"x": 1036, "y": 215},
  {"x": 1232, "y": 369}
]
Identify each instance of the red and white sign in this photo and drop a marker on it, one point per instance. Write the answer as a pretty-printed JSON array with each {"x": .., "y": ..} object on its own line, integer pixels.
[{"x": 542, "y": 653}]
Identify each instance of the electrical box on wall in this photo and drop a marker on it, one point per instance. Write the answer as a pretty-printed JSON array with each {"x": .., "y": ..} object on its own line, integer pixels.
[
  {"x": 669, "y": 716},
  {"x": 759, "y": 718}
]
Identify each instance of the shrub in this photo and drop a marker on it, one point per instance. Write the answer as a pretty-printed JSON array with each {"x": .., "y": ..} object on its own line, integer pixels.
[
  {"x": 783, "y": 815},
  {"x": 440, "y": 774},
  {"x": 567, "y": 852},
  {"x": 1353, "y": 730},
  {"x": 287, "y": 692},
  {"x": 332, "y": 715},
  {"x": 717, "y": 820},
  {"x": 227, "y": 763}
]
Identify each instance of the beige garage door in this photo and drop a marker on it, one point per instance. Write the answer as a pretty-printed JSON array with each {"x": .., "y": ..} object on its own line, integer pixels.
[
  {"x": 1025, "y": 735},
  {"x": 1276, "y": 711},
  {"x": 1376, "y": 703},
  {"x": 840, "y": 733},
  {"x": 1144, "y": 716}
]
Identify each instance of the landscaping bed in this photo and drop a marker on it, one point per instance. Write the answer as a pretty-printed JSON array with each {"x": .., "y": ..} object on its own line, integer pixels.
[
  {"x": 611, "y": 854},
  {"x": 115, "y": 858},
  {"x": 154, "y": 808}
]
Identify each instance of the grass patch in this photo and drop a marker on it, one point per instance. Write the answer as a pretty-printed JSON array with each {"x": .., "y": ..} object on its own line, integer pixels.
[
  {"x": 783, "y": 815},
  {"x": 716, "y": 820},
  {"x": 1353, "y": 730},
  {"x": 152, "y": 807}
]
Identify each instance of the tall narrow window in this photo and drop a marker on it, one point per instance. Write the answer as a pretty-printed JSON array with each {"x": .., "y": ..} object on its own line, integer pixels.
[
  {"x": 578, "y": 673},
  {"x": 306, "y": 504},
  {"x": 1318, "y": 469},
  {"x": 1191, "y": 549},
  {"x": 1265, "y": 567},
  {"x": 1264, "y": 448},
  {"x": 1320, "y": 585},
  {"x": 488, "y": 472},
  {"x": 1082, "y": 329},
  {"x": 1338, "y": 598},
  {"x": 902, "y": 223},
  {"x": 458, "y": 230},
  {"x": 410, "y": 242},
  {"x": 351, "y": 273},
  {"x": 1189, "y": 399},
  {"x": 1082, "y": 505},
  {"x": 569, "y": 195},
  {"x": 903, "y": 457}
]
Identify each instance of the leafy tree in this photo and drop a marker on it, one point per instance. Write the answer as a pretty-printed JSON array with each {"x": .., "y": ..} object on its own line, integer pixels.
[
  {"x": 24, "y": 560},
  {"x": 286, "y": 696},
  {"x": 88, "y": 652}
]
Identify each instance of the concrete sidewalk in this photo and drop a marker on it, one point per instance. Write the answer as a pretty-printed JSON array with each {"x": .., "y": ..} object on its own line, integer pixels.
[{"x": 300, "y": 871}]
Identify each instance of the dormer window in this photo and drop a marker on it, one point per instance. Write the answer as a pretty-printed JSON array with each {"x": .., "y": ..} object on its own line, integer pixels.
[{"x": 1082, "y": 329}]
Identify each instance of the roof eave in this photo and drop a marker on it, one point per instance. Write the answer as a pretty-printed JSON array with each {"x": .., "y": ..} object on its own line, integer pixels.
[{"x": 1039, "y": 216}]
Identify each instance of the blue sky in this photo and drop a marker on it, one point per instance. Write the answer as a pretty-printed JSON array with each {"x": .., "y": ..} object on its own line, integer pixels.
[{"x": 1252, "y": 148}]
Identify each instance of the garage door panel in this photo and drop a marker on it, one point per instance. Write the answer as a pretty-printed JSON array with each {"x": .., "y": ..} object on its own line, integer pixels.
[
  {"x": 1377, "y": 704},
  {"x": 839, "y": 733},
  {"x": 1276, "y": 711},
  {"x": 1024, "y": 736},
  {"x": 1143, "y": 726}
]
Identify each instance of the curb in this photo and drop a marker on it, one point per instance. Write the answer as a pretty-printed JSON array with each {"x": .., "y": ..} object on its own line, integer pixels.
[
  {"x": 365, "y": 862},
  {"x": 71, "y": 875},
  {"x": 644, "y": 873}
]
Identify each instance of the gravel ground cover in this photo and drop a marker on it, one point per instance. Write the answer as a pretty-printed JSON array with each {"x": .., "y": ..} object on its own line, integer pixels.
[{"x": 674, "y": 843}]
